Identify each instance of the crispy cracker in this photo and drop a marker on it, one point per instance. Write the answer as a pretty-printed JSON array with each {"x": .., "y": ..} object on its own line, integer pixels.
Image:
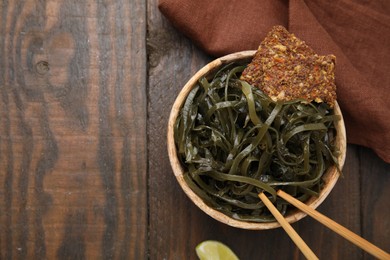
[{"x": 286, "y": 68}]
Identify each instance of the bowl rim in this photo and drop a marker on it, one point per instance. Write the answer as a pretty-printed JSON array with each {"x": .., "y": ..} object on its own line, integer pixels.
[{"x": 330, "y": 176}]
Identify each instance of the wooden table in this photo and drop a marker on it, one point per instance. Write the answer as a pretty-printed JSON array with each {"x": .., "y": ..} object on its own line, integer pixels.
[{"x": 85, "y": 92}]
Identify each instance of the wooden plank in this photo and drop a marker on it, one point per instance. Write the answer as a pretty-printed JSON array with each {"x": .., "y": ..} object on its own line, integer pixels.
[
  {"x": 375, "y": 194},
  {"x": 73, "y": 130},
  {"x": 173, "y": 220}
]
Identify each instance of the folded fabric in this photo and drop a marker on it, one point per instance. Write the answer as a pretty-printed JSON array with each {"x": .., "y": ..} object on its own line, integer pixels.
[{"x": 356, "y": 32}]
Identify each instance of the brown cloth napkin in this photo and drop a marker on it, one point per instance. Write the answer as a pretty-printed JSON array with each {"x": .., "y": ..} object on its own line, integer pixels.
[{"x": 356, "y": 31}]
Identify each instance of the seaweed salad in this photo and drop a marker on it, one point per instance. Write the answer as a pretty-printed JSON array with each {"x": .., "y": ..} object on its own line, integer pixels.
[
  {"x": 260, "y": 127},
  {"x": 235, "y": 142}
]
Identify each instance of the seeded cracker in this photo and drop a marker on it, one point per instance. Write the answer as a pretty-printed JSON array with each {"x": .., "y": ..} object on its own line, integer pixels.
[{"x": 285, "y": 68}]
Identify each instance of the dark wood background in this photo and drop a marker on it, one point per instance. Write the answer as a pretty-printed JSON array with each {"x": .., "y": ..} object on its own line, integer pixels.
[{"x": 85, "y": 92}]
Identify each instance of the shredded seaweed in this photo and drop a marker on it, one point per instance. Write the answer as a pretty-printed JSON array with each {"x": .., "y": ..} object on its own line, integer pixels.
[{"x": 235, "y": 142}]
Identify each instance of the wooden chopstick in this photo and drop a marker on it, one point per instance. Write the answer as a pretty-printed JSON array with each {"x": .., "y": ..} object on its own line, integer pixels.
[
  {"x": 288, "y": 228},
  {"x": 339, "y": 229}
]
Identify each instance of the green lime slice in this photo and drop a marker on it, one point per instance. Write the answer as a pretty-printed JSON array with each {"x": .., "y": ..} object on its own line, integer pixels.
[{"x": 214, "y": 250}]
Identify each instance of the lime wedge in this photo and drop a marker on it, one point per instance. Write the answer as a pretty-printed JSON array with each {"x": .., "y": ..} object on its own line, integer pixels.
[{"x": 214, "y": 250}]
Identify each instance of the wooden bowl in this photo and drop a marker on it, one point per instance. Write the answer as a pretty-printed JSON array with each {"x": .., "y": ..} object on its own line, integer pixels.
[{"x": 330, "y": 177}]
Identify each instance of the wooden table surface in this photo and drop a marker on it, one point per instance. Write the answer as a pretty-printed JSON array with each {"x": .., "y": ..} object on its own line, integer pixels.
[{"x": 85, "y": 92}]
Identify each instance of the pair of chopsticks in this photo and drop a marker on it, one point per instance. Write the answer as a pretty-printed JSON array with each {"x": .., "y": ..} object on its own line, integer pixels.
[{"x": 339, "y": 229}]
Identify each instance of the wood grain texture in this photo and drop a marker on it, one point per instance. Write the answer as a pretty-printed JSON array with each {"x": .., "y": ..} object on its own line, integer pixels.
[
  {"x": 172, "y": 60},
  {"x": 73, "y": 130},
  {"x": 85, "y": 92},
  {"x": 375, "y": 194}
]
